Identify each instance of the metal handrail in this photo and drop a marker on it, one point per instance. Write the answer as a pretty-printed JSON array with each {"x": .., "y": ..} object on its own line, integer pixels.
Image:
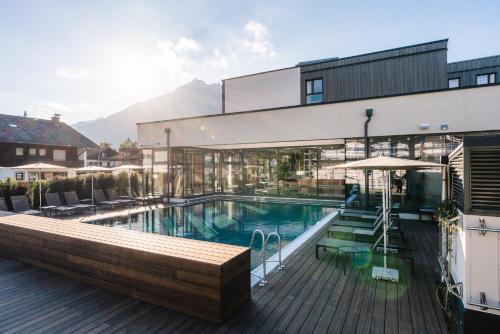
[
  {"x": 281, "y": 265},
  {"x": 263, "y": 279}
]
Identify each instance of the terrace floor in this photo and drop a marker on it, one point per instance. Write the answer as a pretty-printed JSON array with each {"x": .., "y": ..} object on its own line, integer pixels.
[{"x": 309, "y": 296}]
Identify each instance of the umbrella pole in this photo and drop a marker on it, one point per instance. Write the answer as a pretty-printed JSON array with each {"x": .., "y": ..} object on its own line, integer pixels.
[
  {"x": 92, "y": 189},
  {"x": 39, "y": 188},
  {"x": 129, "y": 183},
  {"x": 384, "y": 209}
]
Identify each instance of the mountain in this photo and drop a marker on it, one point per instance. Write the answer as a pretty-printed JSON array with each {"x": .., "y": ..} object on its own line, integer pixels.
[{"x": 193, "y": 99}]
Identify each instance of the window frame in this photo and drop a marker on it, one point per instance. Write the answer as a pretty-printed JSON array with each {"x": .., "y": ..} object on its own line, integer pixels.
[
  {"x": 17, "y": 151},
  {"x": 32, "y": 151},
  {"x": 488, "y": 76},
  {"x": 44, "y": 150},
  {"x": 450, "y": 79},
  {"x": 59, "y": 150},
  {"x": 313, "y": 92}
]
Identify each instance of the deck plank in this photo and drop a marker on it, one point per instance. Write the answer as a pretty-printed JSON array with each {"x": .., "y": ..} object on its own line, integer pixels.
[{"x": 310, "y": 295}]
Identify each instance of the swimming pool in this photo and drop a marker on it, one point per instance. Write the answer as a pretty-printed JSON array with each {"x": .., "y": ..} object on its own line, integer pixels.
[{"x": 230, "y": 222}]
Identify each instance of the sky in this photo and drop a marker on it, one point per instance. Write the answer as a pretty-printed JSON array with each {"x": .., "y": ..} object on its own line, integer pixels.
[{"x": 90, "y": 59}]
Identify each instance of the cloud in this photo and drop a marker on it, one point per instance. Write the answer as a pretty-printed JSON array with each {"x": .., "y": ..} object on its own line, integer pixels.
[
  {"x": 68, "y": 72},
  {"x": 173, "y": 57},
  {"x": 185, "y": 44},
  {"x": 259, "y": 42}
]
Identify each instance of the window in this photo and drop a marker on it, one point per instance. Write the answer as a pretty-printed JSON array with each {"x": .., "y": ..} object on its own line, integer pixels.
[
  {"x": 32, "y": 151},
  {"x": 485, "y": 79},
  {"x": 42, "y": 152},
  {"x": 454, "y": 83},
  {"x": 19, "y": 151},
  {"x": 19, "y": 176},
  {"x": 314, "y": 91},
  {"x": 59, "y": 155}
]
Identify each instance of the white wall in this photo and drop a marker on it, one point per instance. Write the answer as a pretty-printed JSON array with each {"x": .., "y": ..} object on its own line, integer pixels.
[
  {"x": 476, "y": 262},
  {"x": 463, "y": 110},
  {"x": 273, "y": 89}
]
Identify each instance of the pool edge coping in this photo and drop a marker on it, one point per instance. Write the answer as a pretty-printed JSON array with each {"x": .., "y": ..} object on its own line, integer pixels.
[{"x": 291, "y": 248}]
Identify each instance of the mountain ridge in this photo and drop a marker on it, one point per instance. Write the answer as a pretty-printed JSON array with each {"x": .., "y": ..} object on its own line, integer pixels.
[{"x": 195, "y": 98}]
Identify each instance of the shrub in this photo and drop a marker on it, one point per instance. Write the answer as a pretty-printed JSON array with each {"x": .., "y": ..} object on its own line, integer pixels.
[
  {"x": 122, "y": 184},
  {"x": 11, "y": 187},
  {"x": 33, "y": 192},
  {"x": 104, "y": 181}
]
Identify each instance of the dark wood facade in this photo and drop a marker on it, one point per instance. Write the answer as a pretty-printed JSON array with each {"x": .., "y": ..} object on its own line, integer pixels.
[
  {"x": 398, "y": 71},
  {"x": 467, "y": 71},
  {"x": 9, "y": 158}
]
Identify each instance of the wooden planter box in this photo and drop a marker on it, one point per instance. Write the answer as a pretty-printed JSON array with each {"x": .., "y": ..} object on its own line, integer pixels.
[{"x": 202, "y": 279}]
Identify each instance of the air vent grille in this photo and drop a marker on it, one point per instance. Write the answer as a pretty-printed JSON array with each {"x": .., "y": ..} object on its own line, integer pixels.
[
  {"x": 485, "y": 179},
  {"x": 457, "y": 179}
]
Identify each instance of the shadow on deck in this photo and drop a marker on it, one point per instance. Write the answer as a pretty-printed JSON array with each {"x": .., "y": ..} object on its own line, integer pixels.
[{"x": 309, "y": 296}]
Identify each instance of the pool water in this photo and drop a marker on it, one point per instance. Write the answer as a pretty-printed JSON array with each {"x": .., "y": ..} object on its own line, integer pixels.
[{"x": 229, "y": 222}]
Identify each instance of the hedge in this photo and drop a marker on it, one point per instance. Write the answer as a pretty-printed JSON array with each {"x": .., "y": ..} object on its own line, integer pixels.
[{"x": 81, "y": 184}]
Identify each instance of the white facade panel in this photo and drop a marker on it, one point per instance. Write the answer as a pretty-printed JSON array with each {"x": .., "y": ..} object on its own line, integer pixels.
[
  {"x": 273, "y": 89},
  {"x": 463, "y": 110},
  {"x": 476, "y": 262}
]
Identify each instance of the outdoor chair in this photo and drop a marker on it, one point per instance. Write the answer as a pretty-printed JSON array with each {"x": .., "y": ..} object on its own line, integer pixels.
[
  {"x": 365, "y": 232},
  {"x": 20, "y": 204},
  {"x": 72, "y": 200},
  {"x": 54, "y": 200},
  {"x": 101, "y": 200},
  {"x": 3, "y": 204},
  {"x": 112, "y": 196},
  {"x": 142, "y": 199},
  {"x": 363, "y": 214}
]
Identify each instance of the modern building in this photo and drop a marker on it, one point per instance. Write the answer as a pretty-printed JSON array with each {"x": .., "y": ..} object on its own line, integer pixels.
[
  {"x": 280, "y": 132},
  {"x": 25, "y": 140}
]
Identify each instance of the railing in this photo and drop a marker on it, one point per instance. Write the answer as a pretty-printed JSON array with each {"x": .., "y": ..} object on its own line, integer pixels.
[{"x": 263, "y": 278}]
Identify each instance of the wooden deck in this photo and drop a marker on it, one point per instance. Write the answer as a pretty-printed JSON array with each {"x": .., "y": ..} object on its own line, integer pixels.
[{"x": 310, "y": 296}]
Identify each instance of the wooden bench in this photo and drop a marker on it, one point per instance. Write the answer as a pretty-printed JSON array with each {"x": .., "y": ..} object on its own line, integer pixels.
[{"x": 202, "y": 279}]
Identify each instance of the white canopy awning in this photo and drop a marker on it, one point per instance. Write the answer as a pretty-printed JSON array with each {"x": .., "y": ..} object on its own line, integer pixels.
[
  {"x": 127, "y": 167},
  {"x": 388, "y": 163},
  {"x": 41, "y": 166},
  {"x": 92, "y": 169}
]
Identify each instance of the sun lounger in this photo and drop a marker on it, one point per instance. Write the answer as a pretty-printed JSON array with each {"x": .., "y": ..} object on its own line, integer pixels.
[
  {"x": 101, "y": 200},
  {"x": 72, "y": 200},
  {"x": 112, "y": 196},
  {"x": 336, "y": 244},
  {"x": 54, "y": 201},
  {"x": 21, "y": 205},
  {"x": 3, "y": 204},
  {"x": 362, "y": 214}
]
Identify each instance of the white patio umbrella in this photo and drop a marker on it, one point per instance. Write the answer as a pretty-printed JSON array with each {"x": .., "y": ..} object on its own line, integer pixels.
[
  {"x": 129, "y": 167},
  {"x": 386, "y": 164},
  {"x": 40, "y": 167},
  {"x": 92, "y": 170}
]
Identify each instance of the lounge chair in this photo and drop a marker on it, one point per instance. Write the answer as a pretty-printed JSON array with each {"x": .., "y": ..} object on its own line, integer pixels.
[
  {"x": 20, "y": 204},
  {"x": 355, "y": 247},
  {"x": 54, "y": 200},
  {"x": 142, "y": 199},
  {"x": 363, "y": 214},
  {"x": 112, "y": 196},
  {"x": 72, "y": 200},
  {"x": 101, "y": 200},
  {"x": 3, "y": 204}
]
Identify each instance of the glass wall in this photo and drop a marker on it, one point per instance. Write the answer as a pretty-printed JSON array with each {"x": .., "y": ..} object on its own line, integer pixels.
[{"x": 289, "y": 172}]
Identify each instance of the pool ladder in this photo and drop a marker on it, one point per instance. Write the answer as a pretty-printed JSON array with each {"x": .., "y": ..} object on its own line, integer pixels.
[{"x": 281, "y": 265}]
